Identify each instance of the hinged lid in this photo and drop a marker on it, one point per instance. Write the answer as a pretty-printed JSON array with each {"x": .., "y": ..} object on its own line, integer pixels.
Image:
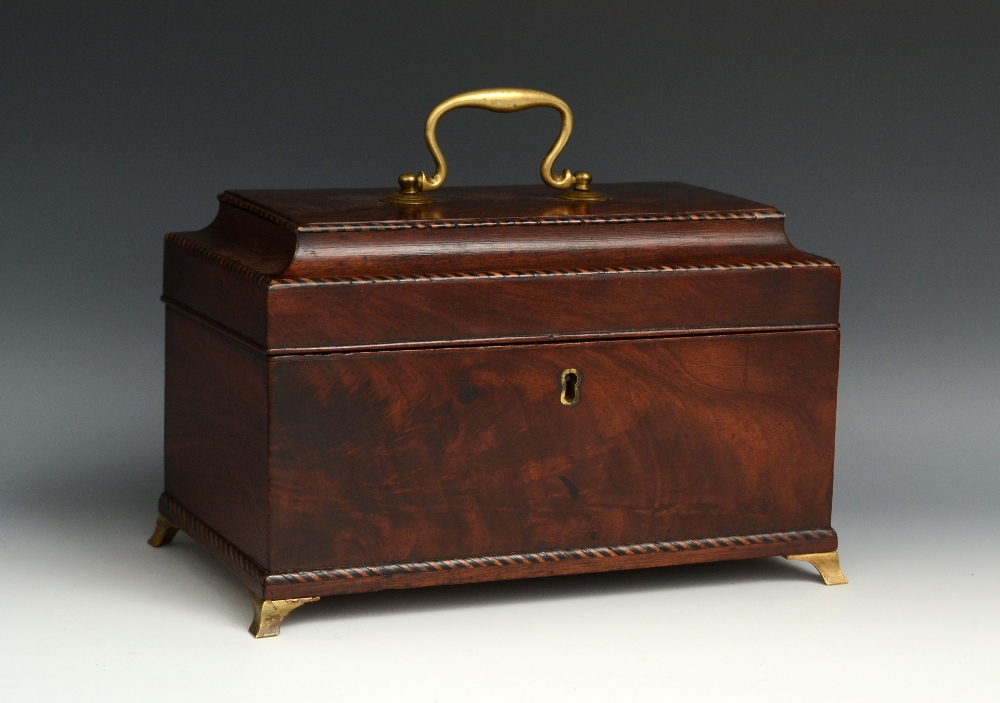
[{"x": 294, "y": 271}]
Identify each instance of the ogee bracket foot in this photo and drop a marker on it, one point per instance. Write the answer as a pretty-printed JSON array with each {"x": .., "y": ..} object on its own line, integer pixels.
[
  {"x": 268, "y": 614},
  {"x": 164, "y": 532},
  {"x": 826, "y": 563}
]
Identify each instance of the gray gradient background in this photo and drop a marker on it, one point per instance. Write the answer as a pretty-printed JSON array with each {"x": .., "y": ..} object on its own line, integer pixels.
[{"x": 874, "y": 126}]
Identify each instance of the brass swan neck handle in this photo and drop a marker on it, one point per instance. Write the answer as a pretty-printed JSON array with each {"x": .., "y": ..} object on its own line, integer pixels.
[{"x": 413, "y": 186}]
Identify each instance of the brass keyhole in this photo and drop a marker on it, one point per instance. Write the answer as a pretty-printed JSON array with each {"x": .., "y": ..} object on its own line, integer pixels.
[{"x": 571, "y": 380}]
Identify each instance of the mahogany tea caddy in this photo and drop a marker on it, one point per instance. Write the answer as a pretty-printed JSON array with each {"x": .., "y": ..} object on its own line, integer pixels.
[{"x": 370, "y": 390}]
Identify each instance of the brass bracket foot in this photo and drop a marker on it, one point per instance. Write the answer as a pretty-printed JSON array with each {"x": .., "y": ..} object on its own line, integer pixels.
[
  {"x": 164, "y": 532},
  {"x": 826, "y": 563},
  {"x": 268, "y": 614}
]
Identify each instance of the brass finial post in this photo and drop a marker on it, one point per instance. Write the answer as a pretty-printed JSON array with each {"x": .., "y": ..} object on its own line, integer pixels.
[
  {"x": 581, "y": 190},
  {"x": 409, "y": 192}
]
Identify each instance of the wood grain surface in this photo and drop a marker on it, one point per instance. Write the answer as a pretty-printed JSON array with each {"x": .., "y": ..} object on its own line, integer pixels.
[
  {"x": 414, "y": 455},
  {"x": 361, "y": 396}
]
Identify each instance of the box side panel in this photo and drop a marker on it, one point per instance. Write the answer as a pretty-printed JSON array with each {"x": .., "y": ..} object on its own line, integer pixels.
[
  {"x": 551, "y": 306},
  {"x": 398, "y": 457},
  {"x": 216, "y": 432}
]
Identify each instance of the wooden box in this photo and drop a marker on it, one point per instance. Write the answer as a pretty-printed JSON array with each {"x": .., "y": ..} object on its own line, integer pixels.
[{"x": 500, "y": 384}]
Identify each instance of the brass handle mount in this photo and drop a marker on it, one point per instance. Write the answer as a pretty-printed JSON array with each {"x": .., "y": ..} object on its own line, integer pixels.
[{"x": 413, "y": 186}]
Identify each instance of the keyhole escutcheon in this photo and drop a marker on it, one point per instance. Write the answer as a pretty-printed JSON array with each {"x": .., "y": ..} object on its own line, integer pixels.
[{"x": 570, "y": 380}]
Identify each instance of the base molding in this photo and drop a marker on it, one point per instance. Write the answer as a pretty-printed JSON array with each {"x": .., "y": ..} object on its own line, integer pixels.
[{"x": 323, "y": 582}]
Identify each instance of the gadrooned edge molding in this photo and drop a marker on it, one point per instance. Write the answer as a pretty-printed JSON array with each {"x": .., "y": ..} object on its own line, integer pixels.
[
  {"x": 220, "y": 259},
  {"x": 376, "y": 226},
  {"x": 297, "y": 282},
  {"x": 174, "y": 510},
  {"x": 276, "y": 283},
  {"x": 183, "y": 518},
  {"x": 555, "y": 555}
]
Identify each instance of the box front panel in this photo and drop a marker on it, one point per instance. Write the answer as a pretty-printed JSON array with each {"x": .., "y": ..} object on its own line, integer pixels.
[{"x": 394, "y": 457}]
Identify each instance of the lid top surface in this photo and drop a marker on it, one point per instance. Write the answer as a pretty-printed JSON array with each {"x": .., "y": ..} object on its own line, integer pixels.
[{"x": 319, "y": 209}]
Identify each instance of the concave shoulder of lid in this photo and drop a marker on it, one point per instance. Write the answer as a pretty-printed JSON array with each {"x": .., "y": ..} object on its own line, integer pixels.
[{"x": 332, "y": 210}]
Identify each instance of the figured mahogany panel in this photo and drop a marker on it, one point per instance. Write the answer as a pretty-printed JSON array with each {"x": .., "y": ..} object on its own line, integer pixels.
[
  {"x": 487, "y": 309},
  {"x": 215, "y": 432},
  {"x": 398, "y": 457}
]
